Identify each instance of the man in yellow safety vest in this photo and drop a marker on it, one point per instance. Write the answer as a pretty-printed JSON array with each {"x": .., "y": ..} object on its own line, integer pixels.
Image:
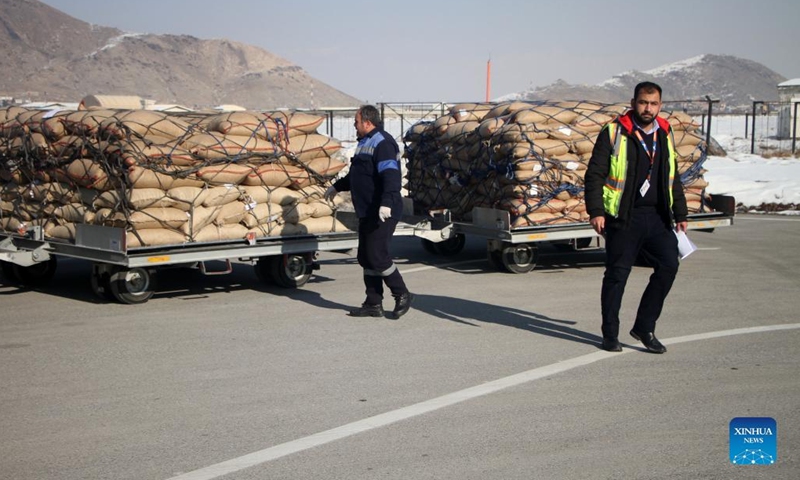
[{"x": 635, "y": 200}]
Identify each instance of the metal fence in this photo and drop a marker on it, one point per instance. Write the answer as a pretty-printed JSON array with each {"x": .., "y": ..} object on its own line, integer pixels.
[
  {"x": 397, "y": 118},
  {"x": 768, "y": 128}
]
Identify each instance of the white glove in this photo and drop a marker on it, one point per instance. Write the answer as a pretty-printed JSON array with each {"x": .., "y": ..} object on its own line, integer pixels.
[
  {"x": 384, "y": 213},
  {"x": 330, "y": 193}
]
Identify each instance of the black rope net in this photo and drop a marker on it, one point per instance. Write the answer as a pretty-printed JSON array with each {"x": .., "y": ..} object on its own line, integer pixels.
[
  {"x": 528, "y": 158},
  {"x": 167, "y": 179}
]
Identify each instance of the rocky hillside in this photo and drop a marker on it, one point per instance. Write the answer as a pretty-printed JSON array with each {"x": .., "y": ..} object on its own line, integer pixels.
[
  {"x": 49, "y": 55},
  {"x": 734, "y": 81}
]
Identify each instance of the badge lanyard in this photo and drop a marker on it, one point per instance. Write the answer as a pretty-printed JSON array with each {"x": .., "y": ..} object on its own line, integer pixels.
[{"x": 652, "y": 154}]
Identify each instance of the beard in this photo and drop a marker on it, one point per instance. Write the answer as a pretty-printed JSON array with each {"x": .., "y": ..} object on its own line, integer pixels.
[{"x": 642, "y": 120}]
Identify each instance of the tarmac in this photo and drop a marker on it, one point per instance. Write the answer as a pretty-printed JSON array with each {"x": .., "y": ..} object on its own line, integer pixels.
[{"x": 491, "y": 375}]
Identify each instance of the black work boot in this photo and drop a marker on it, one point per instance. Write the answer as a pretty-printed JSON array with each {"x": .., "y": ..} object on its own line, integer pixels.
[
  {"x": 402, "y": 303},
  {"x": 367, "y": 310}
]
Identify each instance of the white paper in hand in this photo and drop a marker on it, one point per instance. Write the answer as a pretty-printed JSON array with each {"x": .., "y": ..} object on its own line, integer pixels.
[{"x": 685, "y": 246}]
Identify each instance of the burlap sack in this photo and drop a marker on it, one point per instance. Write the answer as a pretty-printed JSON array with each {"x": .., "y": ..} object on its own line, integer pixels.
[
  {"x": 325, "y": 224},
  {"x": 141, "y": 123},
  {"x": 65, "y": 231},
  {"x": 87, "y": 172},
  {"x": 73, "y": 212},
  {"x": 68, "y": 146},
  {"x": 264, "y": 194},
  {"x": 262, "y": 213},
  {"x": 199, "y": 217},
  {"x": 185, "y": 198},
  {"x": 153, "y": 237},
  {"x": 458, "y": 132},
  {"x": 224, "y": 174},
  {"x": 233, "y": 212},
  {"x": 85, "y": 122},
  {"x": 157, "y": 217},
  {"x": 530, "y": 205},
  {"x": 214, "y": 233},
  {"x": 163, "y": 178},
  {"x": 544, "y": 113},
  {"x": 470, "y": 112},
  {"x": 221, "y": 195},
  {"x": 506, "y": 108},
  {"x": 136, "y": 199},
  {"x": 216, "y": 146},
  {"x": 306, "y": 147},
  {"x": 275, "y": 175}
]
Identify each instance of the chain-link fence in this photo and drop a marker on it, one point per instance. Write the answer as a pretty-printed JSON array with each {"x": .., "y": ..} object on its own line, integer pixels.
[
  {"x": 770, "y": 129},
  {"x": 766, "y": 130}
]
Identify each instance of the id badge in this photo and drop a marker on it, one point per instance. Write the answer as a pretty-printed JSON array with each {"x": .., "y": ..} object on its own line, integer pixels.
[{"x": 645, "y": 187}]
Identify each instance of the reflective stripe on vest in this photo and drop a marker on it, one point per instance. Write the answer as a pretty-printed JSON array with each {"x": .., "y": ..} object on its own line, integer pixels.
[{"x": 618, "y": 169}]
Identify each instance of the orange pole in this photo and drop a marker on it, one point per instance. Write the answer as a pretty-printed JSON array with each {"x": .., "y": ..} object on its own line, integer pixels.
[{"x": 488, "y": 79}]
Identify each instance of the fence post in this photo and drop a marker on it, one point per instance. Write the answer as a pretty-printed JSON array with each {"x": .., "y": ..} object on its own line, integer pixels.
[
  {"x": 708, "y": 130},
  {"x": 746, "y": 125},
  {"x": 753, "y": 131}
]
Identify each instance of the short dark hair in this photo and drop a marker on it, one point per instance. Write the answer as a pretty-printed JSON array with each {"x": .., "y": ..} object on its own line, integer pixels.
[
  {"x": 370, "y": 114},
  {"x": 647, "y": 87}
]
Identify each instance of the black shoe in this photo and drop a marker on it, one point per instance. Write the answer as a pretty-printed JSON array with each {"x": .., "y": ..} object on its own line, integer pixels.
[
  {"x": 649, "y": 341},
  {"x": 402, "y": 303},
  {"x": 367, "y": 310},
  {"x": 611, "y": 345}
]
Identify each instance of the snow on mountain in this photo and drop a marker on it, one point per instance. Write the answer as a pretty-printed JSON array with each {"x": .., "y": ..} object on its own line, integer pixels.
[{"x": 734, "y": 81}]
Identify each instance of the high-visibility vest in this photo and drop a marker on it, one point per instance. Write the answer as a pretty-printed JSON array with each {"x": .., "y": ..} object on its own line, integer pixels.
[{"x": 618, "y": 170}]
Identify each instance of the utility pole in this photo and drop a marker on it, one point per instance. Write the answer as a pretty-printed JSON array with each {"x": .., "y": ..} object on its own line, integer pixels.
[{"x": 488, "y": 79}]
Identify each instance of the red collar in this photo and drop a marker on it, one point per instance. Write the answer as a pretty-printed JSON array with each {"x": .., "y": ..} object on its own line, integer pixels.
[{"x": 627, "y": 122}]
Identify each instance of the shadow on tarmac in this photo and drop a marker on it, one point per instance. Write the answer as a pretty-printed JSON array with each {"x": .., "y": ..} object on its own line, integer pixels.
[{"x": 472, "y": 313}]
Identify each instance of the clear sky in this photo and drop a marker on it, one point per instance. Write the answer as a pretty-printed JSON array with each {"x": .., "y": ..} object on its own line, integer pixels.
[{"x": 414, "y": 50}]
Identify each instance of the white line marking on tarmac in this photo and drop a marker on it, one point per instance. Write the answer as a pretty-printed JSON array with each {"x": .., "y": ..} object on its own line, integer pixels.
[
  {"x": 442, "y": 265},
  {"x": 771, "y": 219},
  {"x": 384, "y": 419}
]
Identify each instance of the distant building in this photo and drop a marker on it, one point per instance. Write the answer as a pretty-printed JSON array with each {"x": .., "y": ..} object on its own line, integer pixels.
[
  {"x": 119, "y": 102},
  {"x": 50, "y": 105},
  {"x": 789, "y": 96},
  {"x": 228, "y": 108},
  {"x": 169, "y": 108}
]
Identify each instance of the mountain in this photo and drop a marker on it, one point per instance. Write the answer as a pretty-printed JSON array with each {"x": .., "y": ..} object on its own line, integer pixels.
[
  {"x": 734, "y": 81},
  {"x": 51, "y": 56}
]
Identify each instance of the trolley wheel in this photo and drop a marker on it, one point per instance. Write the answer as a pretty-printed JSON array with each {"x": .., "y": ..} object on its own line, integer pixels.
[
  {"x": 9, "y": 272},
  {"x": 132, "y": 286},
  {"x": 429, "y": 246},
  {"x": 518, "y": 258},
  {"x": 451, "y": 246},
  {"x": 291, "y": 270},
  {"x": 37, "y": 274}
]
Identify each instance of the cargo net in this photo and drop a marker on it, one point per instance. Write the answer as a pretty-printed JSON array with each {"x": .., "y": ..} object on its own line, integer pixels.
[
  {"x": 526, "y": 158},
  {"x": 167, "y": 179}
]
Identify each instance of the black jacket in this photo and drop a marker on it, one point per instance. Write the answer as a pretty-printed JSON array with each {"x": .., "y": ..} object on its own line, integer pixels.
[
  {"x": 374, "y": 178},
  {"x": 598, "y": 169}
]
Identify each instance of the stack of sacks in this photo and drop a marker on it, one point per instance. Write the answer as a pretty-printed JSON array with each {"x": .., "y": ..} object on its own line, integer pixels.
[
  {"x": 167, "y": 179},
  {"x": 528, "y": 159}
]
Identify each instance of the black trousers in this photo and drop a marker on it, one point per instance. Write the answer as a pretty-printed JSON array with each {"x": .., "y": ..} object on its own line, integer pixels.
[
  {"x": 374, "y": 238},
  {"x": 649, "y": 235}
]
